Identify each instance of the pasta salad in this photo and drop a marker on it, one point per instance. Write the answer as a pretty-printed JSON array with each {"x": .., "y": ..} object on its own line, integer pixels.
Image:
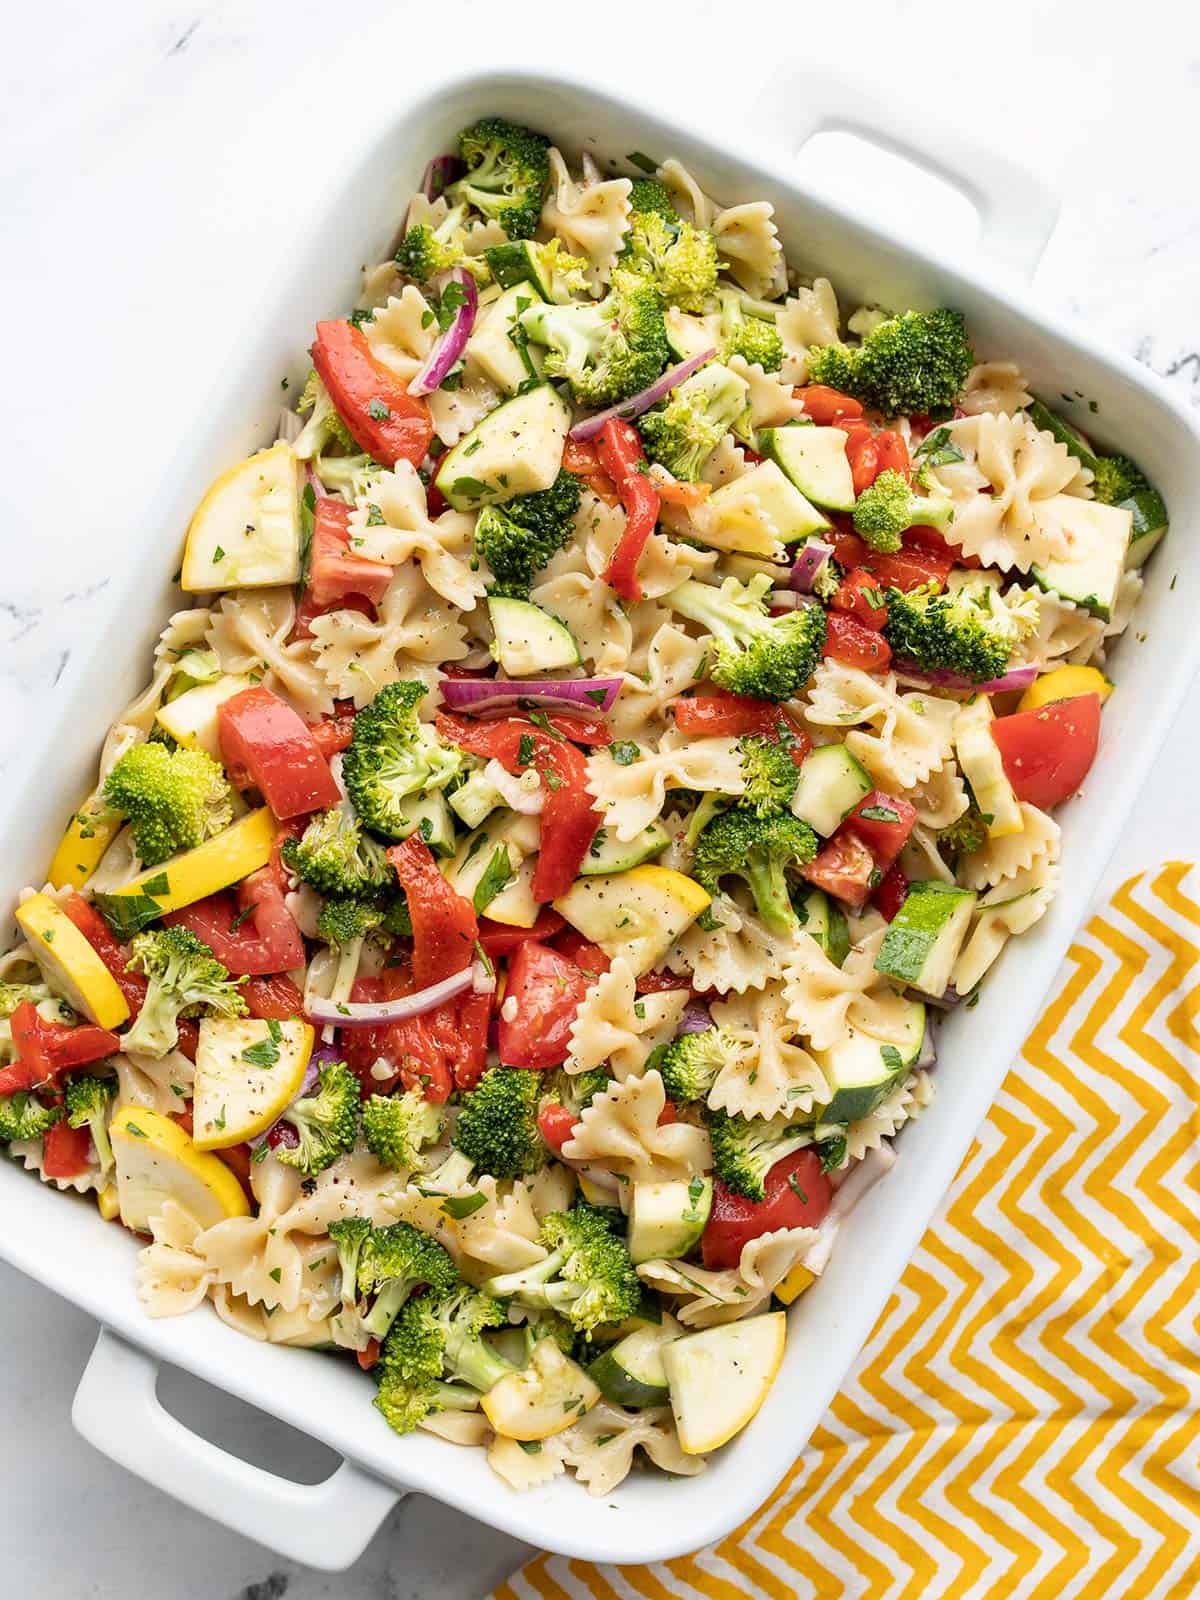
[{"x": 623, "y": 707}]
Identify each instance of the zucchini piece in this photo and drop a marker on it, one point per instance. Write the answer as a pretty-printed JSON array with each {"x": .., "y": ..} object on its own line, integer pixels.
[
  {"x": 979, "y": 758},
  {"x": 667, "y": 1219},
  {"x": 862, "y": 1069},
  {"x": 516, "y": 449},
  {"x": 825, "y": 921},
  {"x": 608, "y": 854},
  {"x": 814, "y": 459},
  {"x": 528, "y": 639},
  {"x": 637, "y": 914},
  {"x": 1098, "y": 539},
  {"x": 509, "y": 364},
  {"x": 923, "y": 939},
  {"x": 631, "y": 1373},
  {"x": 831, "y": 783},
  {"x": 792, "y": 516}
]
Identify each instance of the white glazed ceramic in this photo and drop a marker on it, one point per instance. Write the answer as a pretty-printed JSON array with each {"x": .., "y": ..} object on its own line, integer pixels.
[{"x": 61, "y": 1241}]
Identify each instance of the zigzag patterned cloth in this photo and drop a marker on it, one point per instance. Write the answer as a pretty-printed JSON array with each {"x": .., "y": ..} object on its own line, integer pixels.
[{"x": 1024, "y": 1423}]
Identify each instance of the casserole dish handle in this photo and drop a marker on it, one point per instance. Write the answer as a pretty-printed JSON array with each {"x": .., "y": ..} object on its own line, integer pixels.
[
  {"x": 325, "y": 1525},
  {"x": 1018, "y": 209}
]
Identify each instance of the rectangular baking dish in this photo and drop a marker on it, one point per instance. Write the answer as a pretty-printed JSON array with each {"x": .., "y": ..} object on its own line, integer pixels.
[{"x": 63, "y": 1244}]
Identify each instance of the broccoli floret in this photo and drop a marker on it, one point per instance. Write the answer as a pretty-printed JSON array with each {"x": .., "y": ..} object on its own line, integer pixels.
[
  {"x": 648, "y": 197},
  {"x": 682, "y": 434},
  {"x": 398, "y": 1127},
  {"x": 964, "y": 834},
  {"x": 760, "y": 849},
  {"x": 768, "y": 658},
  {"x": 888, "y": 507},
  {"x": 577, "y": 1090},
  {"x": 769, "y": 773},
  {"x": 88, "y": 1101},
  {"x": 437, "y": 1338},
  {"x": 517, "y": 540},
  {"x": 350, "y": 1234},
  {"x": 508, "y": 173},
  {"x": 969, "y": 630},
  {"x": 324, "y": 427},
  {"x": 185, "y": 979},
  {"x": 755, "y": 339},
  {"x": 424, "y": 251},
  {"x": 587, "y": 1277},
  {"x": 608, "y": 350},
  {"x": 342, "y": 922},
  {"x": 14, "y": 994},
  {"x": 690, "y": 1064},
  {"x": 916, "y": 362},
  {"x": 392, "y": 1262},
  {"x": 1116, "y": 478},
  {"x": 745, "y": 1149},
  {"x": 22, "y": 1116},
  {"x": 679, "y": 259},
  {"x": 497, "y": 1126},
  {"x": 336, "y": 857},
  {"x": 392, "y": 755},
  {"x": 173, "y": 799},
  {"x": 327, "y": 1122}
]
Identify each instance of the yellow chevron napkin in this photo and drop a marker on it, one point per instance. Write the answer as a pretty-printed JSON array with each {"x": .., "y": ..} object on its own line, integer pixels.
[{"x": 1025, "y": 1419}]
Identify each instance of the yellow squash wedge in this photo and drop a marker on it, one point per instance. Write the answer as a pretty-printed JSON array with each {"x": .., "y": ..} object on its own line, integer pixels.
[
  {"x": 156, "y": 1161},
  {"x": 636, "y": 914},
  {"x": 721, "y": 1376},
  {"x": 793, "y": 1286},
  {"x": 1065, "y": 683},
  {"x": 245, "y": 533},
  {"x": 70, "y": 964},
  {"x": 247, "y": 1072},
  {"x": 224, "y": 859},
  {"x": 191, "y": 718},
  {"x": 543, "y": 1398},
  {"x": 89, "y": 833}
]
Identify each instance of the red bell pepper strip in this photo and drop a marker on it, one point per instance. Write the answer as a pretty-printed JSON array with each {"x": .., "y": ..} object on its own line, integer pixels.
[
  {"x": 860, "y": 595},
  {"x": 412, "y": 1052},
  {"x": 110, "y": 950},
  {"x": 826, "y": 406},
  {"x": 335, "y": 733},
  {"x": 66, "y": 1151},
  {"x": 265, "y": 745},
  {"x": 569, "y": 821},
  {"x": 581, "y": 460},
  {"x": 380, "y": 415},
  {"x": 620, "y": 452},
  {"x": 444, "y": 924},
  {"x": 500, "y": 939},
  {"x": 848, "y": 641},
  {"x": 273, "y": 999},
  {"x": 45, "y": 1050}
]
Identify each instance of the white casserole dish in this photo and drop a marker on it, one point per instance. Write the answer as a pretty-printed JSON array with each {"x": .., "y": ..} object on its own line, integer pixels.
[{"x": 65, "y": 1246}]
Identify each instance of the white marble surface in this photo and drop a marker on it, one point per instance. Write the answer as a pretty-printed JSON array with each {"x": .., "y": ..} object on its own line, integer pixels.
[{"x": 152, "y": 156}]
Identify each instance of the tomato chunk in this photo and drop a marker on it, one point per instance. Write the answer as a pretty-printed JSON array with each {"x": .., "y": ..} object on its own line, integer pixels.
[
  {"x": 883, "y": 823},
  {"x": 846, "y": 640},
  {"x": 1047, "y": 753},
  {"x": 250, "y": 931},
  {"x": 910, "y": 569},
  {"x": 890, "y": 895},
  {"x": 717, "y": 712},
  {"x": 273, "y": 999},
  {"x": 844, "y": 868},
  {"x": 500, "y": 939},
  {"x": 381, "y": 416},
  {"x": 860, "y": 595},
  {"x": 555, "y": 1124},
  {"x": 825, "y": 405},
  {"x": 334, "y": 571},
  {"x": 110, "y": 950},
  {"x": 334, "y": 733},
  {"x": 266, "y": 746},
  {"x": 543, "y": 994},
  {"x": 66, "y": 1151},
  {"x": 798, "y": 1195}
]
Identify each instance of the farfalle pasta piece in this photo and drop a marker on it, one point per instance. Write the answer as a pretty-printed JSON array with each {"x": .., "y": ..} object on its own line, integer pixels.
[
  {"x": 911, "y": 734},
  {"x": 592, "y": 612},
  {"x": 941, "y": 799},
  {"x": 1064, "y": 632},
  {"x": 819, "y": 994},
  {"x": 709, "y": 1297},
  {"x": 688, "y": 198},
  {"x": 905, "y": 1103},
  {"x": 357, "y": 655},
  {"x": 771, "y": 1074},
  {"x": 772, "y": 403},
  {"x": 739, "y": 954},
  {"x": 630, "y": 795},
  {"x": 614, "y": 1026},
  {"x": 391, "y": 523},
  {"x": 456, "y": 411},
  {"x": 296, "y": 1328},
  {"x": 808, "y": 317},
  {"x": 401, "y": 332},
  {"x": 31, "y": 1154},
  {"x": 601, "y": 1444},
  {"x": 1011, "y": 907},
  {"x": 591, "y": 219},
  {"x": 523, "y": 1468},
  {"x": 675, "y": 663},
  {"x": 921, "y": 858},
  {"x": 501, "y": 1234},
  {"x": 1040, "y": 836},
  {"x": 158, "y": 1083},
  {"x": 251, "y": 631},
  {"x": 662, "y": 564},
  {"x": 620, "y": 1130},
  {"x": 994, "y": 386},
  {"x": 748, "y": 248},
  {"x": 1020, "y": 471},
  {"x": 171, "y": 1278}
]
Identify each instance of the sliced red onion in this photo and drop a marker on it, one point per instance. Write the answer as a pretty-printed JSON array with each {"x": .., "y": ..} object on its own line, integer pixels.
[
  {"x": 943, "y": 678},
  {"x": 696, "y": 1018},
  {"x": 928, "y": 1055},
  {"x": 946, "y": 1001},
  {"x": 809, "y": 562},
  {"x": 451, "y": 344},
  {"x": 441, "y": 172},
  {"x": 352, "y": 1014},
  {"x": 478, "y": 696},
  {"x": 863, "y": 1175},
  {"x": 636, "y": 404}
]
